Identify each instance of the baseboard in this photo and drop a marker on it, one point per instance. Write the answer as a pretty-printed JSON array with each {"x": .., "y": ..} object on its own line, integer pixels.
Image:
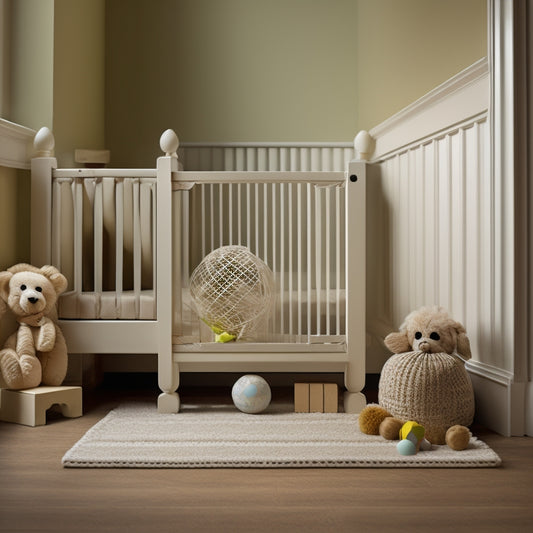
[
  {"x": 529, "y": 409},
  {"x": 500, "y": 401}
]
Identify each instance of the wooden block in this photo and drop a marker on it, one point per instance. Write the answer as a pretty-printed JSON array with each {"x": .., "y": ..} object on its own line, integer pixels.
[
  {"x": 29, "y": 406},
  {"x": 331, "y": 398},
  {"x": 301, "y": 397},
  {"x": 316, "y": 397}
]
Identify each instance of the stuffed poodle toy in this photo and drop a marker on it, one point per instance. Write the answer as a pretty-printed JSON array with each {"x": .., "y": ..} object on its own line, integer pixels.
[
  {"x": 425, "y": 381},
  {"x": 36, "y": 353}
]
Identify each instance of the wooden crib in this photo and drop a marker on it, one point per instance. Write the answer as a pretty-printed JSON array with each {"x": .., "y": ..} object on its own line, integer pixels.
[{"x": 128, "y": 240}]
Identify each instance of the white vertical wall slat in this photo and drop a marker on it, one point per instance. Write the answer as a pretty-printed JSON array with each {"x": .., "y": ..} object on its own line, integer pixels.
[{"x": 439, "y": 229}]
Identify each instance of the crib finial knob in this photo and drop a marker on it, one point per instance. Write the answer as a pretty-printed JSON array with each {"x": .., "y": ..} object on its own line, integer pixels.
[
  {"x": 169, "y": 143},
  {"x": 44, "y": 143},
  {"x": 363, "y": 145}
]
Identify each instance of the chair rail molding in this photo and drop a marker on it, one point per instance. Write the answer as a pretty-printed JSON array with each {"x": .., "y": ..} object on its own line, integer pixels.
[
  {"x": 457, "y": 100},
  {"x": 16, "y": 145}
]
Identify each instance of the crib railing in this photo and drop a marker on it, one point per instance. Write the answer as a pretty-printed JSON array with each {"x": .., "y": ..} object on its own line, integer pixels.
[
  {"x": 103, "y": 239},
  {"x": 294, "y": 221},
  {"x": 104, "y": 229}
]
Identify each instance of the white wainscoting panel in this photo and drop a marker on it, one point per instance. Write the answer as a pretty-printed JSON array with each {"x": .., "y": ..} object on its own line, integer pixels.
[{"x": 431, "y": 235}]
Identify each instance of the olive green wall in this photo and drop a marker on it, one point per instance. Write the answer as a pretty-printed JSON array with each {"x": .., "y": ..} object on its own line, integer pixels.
[
  {"x": 222, "y": 70},
  {"x": 276, "y": 70},
  {"x": 14, "y": 213},
  {"x": 56, "y": 54},
  {"x": 79, "y": 77},
  {"x": 32, "y": 63},
  {"x": 406, "y": 48}
]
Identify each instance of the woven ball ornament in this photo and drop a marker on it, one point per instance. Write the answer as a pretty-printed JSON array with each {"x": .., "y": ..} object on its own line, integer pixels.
[
  {"x": 232, "y": 290},
  {"x": 432, "y": 388}
]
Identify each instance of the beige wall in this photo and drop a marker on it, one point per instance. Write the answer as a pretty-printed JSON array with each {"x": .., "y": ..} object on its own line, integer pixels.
[
  {"x": 79, "y": 59},
  {"x": 224, "y": 70},
  {"x": 230, "y": 70},
  {"x": 32, "y": 63},
  {"x": 408, "y": 47},
  {"x": 277, "y": 70},
  {"x": 57, "y": 61},
  {"x": 14, "y": 221},
  {"x": 56, "y": 55}
]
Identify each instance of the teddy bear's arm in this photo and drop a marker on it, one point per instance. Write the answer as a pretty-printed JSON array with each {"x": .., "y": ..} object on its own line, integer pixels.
[
  {"x": 47, "y": 335},
  {"x": 25, "y": 341}
]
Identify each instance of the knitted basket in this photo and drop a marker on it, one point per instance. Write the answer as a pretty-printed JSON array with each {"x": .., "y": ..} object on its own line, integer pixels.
[{"x": 432, "y": 389}]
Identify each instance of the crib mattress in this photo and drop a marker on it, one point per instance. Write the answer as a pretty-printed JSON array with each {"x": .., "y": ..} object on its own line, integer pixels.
[{"x": 127, "y": 305}]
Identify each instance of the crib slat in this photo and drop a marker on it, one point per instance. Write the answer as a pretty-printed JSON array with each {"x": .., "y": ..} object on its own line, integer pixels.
[
  {"x": 212, "y": 215},
  {"x": 337, "y": 259},
  {"x": 221, "y": 214},
  {"x": 239, "y": 213},
  {"x": 282, "y": 256},
  {"x": 248, "y": 218},
  {"x": 274, "y": 230},
  {"x": 56, "y": 224},
  {"x": 328, "y": 258},
  {"x": 309, "y": 245},
  {"x": 256, "y": 187},
  {"x": 290, "y": 221},
  {"x": 230, "y": 213},
  {"x": 318, "y": 255},
  {"x": 119, "y": 245},
  {"x": 203, "y": 217},
  {"x": 300, "y": 252},
  {"x": 265, "y": 226},
  {"x": 184, "y": 200},
  {"x": 77, "y": 192},
  {"x": 98, "y": 238},
  {"x": 153, "y": 234},
  {"x": 136, "y": 246}
]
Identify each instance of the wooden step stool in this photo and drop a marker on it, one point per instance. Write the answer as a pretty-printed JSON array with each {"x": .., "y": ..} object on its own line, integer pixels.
[{"x": 29, "y": 406}]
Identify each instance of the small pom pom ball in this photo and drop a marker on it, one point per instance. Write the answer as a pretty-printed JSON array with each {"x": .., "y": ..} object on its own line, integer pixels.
[
  {"x": 406, "y": 447},
  {"x": 370, "y": 419},
  {"x": 251, "y": 394},
  {"x": 458, "y": 437}
]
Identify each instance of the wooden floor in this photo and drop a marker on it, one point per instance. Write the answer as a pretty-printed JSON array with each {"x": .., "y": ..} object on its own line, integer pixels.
[{"x": 37, "y": 494}]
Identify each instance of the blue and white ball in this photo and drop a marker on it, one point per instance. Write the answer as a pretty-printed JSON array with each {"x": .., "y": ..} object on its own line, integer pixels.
[{"x": 251, "y": 394}]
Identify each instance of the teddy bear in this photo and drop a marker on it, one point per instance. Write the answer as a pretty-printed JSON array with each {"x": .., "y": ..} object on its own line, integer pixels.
[
  {"x": 36, "y": 353},
  {"x": 425, "y": 381}
]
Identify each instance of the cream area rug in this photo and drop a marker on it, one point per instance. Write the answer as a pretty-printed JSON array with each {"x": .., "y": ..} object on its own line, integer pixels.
[{"x": 135, "y": 435}]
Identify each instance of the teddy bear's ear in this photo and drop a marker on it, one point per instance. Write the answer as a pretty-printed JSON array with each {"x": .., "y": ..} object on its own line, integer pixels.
[
  {"x": 5, "y": 277},
  {"x": 56, "y": 278},
  {"x": 463, "y": 346},
  {"x": 398, "y": 342}
]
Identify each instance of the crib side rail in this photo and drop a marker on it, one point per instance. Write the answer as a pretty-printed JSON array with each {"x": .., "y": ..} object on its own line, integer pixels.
[
  {"x": 75, "y": 226},
  {"x": 186, "y": 179}
]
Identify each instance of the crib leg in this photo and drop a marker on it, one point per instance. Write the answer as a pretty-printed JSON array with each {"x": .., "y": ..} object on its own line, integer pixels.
[
  {"x": 354, "y": 381},
  {"x": 168, "y": 402},
  {"x": 354, "y": 402}
]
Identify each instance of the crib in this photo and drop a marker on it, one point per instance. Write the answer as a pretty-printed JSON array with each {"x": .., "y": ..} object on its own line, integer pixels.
[{"x": 128, "y": 240}]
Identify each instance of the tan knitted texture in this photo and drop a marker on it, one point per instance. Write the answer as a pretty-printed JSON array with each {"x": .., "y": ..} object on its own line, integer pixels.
[{"x": 432, "y": 389}]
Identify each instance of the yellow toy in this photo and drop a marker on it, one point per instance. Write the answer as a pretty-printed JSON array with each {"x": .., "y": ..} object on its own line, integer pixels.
[{"x": 412, "y": 439}]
